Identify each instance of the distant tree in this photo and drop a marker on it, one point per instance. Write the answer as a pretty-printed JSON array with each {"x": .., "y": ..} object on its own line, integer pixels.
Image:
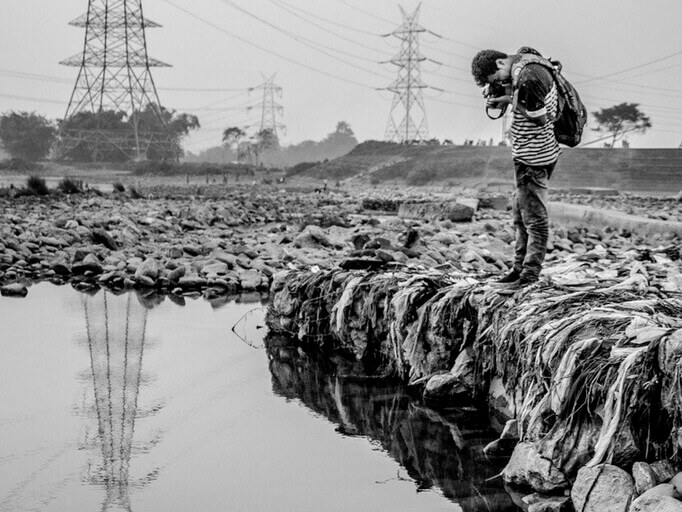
[
  {"x": 26, "y": 135},
  {"x": 620, "y": 119},
  {"x": 343, "y": 128},
  {"x": 232, "y": 138},
  {"x": 266, "y": 139},
  {"x": 159, "y": 124},
  {"x": 174, "y": 125}
]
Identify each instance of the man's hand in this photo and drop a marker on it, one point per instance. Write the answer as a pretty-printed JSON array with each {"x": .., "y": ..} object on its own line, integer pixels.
[{"x": 498, "y": 103}]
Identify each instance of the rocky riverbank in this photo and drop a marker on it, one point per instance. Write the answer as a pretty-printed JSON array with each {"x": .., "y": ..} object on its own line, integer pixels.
[{"x": 210, "y": 241}]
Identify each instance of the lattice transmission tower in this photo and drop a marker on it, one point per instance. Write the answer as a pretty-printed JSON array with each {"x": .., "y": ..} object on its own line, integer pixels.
[
  {"x": 269, "y": 107},
  {"x": 407, "y": 119},
  {"x": 114, "y": 106}
]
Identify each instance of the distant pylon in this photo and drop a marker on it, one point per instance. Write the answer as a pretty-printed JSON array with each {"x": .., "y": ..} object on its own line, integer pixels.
[
  {"x": 114, "y": 76},
  {"x": 408, "y": 100},
  {"x": 269, "y": 108}
]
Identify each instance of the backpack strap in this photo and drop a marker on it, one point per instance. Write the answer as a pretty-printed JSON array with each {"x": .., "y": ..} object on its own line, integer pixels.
[
  {"x": 522, "y": 60},
  {"x": 554, "y": 67}
]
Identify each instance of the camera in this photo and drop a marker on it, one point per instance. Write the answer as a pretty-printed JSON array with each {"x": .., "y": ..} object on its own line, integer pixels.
[{"x": 495, "y": 91}]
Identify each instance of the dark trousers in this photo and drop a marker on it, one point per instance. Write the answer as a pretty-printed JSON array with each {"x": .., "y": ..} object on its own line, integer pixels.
[{"x": 530, "y": 217}]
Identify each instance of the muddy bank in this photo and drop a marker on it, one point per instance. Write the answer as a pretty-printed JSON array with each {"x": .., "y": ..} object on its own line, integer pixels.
[{"x": 582, "y": 370}]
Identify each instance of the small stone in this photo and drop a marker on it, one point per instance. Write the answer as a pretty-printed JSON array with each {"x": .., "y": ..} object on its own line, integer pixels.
[
  {"x": 175, "y": 274},
  {"x": 229, "y": 259},
  {"x": 149, "y": 268},
  {"x": 361, "y": 263},
  {"x": 215, "y": 268},
  {"x": 192, "y": 250},
  {"x": 445, "y": 388},
  {"x": 14, "y": 290},
  {"x": 191, "y": 282},
  {"x": 85, "y": 266},
  {"x": 250, "y": 280},
  {"x": 677, "y": 482},
  {"x": 101, "y": 236},
  {"x": 663, "y": 470},
  {"x": 52, "y": 241},
  {"x": 61, "y": 268},
  {"x": 175, "y": 252},
  {"x": 146, "y": 281},
  {"x": 644, "y": 477},
  {"x": 548, "y": 503}
]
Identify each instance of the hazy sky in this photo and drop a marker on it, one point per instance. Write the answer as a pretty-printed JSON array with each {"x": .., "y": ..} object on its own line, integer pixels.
[{"x": 327, "y": 53}]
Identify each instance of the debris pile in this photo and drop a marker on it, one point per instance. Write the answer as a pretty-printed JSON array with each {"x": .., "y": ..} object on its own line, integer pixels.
[{"x": 586, "y": 364}]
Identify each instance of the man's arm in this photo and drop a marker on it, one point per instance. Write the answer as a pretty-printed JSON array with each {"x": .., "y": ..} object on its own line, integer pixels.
[
  {"x": 533, "y": 117},
  {"x": 529, "y": 98}
]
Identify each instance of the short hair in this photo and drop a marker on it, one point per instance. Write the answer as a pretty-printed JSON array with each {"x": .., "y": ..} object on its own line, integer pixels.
[{"x": 484, "y": 64}]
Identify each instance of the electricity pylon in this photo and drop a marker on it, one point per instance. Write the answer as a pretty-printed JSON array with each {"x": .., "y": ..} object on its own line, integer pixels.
[
  {"x": 269, "y": 108},
  {"x": 114, "y": 77},
  {"x": 407, "y": 88}
]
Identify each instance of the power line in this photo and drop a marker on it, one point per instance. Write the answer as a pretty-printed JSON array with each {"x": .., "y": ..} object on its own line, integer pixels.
[
  {"x": 254, "y": 45},
  {"x": 31, "y": 98},
  {"x": 366, "y": 12},
  {"x": 301, "y": 13},
  {"x": 305, "y": 41},
  {"x": 631, "y": 68}
]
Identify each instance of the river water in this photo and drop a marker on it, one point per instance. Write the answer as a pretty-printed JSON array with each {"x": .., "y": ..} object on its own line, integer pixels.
[{"x": 120, "y": 402}]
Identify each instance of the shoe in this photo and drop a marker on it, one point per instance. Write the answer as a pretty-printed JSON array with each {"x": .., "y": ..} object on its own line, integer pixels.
[
  {"x": 513, "y": 276},
  {"x": 519, "y": 284}
]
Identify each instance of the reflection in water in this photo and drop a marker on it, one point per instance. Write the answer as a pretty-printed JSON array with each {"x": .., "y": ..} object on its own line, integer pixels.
[
  {"x": 116, "y": 328},
  {"x": 443, "y": 452}
]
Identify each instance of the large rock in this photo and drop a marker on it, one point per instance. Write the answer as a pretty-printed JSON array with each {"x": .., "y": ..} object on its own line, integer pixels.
[
  {"x": 528, "y": 467},
  {"x": 659, "y": 499},
  {"x": 603, "y": 488},
  {"x": 312, "y": 236},
  {"x": 437, "y": 210}
]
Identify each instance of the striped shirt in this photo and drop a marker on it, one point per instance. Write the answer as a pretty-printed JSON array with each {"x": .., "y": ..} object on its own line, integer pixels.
[{"x": 532, "y": 144}]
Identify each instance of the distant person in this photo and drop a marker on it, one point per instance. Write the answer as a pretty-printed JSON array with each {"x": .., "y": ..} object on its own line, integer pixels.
[{"x": 535, "y": 151}]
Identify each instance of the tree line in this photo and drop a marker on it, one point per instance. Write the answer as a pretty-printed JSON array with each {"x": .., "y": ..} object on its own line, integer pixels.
[{"x": 30, "y": 136}]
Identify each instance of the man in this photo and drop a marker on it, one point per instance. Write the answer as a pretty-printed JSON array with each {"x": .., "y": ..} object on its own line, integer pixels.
[{"x": 535, "y": 151}]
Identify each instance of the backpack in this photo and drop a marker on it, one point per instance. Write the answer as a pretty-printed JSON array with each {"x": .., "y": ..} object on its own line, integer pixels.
[{"x": 571, "y": 112}]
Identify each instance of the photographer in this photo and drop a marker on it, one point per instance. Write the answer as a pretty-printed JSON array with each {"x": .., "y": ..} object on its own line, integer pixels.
[{"x": 535, "y": 150}]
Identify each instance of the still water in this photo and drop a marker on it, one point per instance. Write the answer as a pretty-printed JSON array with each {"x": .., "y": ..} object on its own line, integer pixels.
[{"x": 118, "y": 403}]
